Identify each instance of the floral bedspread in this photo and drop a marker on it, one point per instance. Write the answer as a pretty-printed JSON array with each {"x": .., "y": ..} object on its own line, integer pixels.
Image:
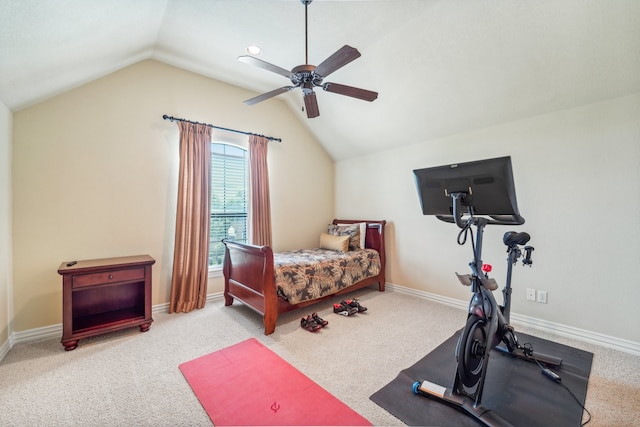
[{"x": 309, "y": 274}]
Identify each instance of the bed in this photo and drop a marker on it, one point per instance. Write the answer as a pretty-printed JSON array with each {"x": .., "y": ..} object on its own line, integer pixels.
[{"x": 250, "y": 274}]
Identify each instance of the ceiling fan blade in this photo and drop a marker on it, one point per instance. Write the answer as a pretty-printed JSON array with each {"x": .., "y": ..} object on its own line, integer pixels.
[
  {"x": 354, "y": 92},
  {"x": 339, "y": 59},
  {"x": 268, "y": 95},
  {"x": 311, "y": 104},
  {"x": 264, "y": 65}
]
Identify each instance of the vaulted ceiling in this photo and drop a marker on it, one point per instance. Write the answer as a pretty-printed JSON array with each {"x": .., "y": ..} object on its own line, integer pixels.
[{"x": 440, "y": 66}]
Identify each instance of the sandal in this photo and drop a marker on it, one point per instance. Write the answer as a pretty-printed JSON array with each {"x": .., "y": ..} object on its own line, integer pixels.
[
  {"x": 319, "y": 320},
  {"x": 354, "y": 303},
  {"x": 344, "y": 309},
  {"x": 309, "y": 324}
]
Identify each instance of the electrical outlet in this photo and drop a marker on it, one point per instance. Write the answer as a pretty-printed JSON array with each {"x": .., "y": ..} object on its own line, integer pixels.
[
  {"x": 542, "y": 297},
  {"x": 531, "y": 294}
]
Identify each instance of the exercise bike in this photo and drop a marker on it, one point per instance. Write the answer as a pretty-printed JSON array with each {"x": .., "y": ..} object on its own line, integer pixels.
[{"x": 487, "y": 326}]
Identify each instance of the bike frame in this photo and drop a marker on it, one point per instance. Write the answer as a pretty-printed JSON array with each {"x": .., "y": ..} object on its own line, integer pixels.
[{"x": 484, "y": 305}]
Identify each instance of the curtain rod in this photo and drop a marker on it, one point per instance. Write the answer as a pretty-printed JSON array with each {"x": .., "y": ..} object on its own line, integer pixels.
[{"x": 270, "y": 138}]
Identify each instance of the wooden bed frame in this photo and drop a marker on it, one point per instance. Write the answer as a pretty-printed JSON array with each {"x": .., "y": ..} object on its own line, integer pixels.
[{"x": 250, "y": 278}]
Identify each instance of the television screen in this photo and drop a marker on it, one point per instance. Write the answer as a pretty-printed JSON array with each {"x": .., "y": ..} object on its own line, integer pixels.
[{"x": 486, "y": 185}]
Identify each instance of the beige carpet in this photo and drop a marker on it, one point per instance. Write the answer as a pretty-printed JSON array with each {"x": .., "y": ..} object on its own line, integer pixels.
[{"x": 132, "y": 378}]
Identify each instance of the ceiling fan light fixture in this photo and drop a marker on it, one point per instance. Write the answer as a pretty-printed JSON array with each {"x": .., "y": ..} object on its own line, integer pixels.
[{"x": 253, "y": 50}]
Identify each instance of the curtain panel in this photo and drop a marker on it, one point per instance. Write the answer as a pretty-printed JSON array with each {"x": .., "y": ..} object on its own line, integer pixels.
[
  {"x": 260, "y": 199},
  {"x": 191, "y": 251}
]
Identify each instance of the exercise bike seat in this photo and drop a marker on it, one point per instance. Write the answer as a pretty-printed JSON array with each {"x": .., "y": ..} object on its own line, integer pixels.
[{"x": 511, "y": 238}]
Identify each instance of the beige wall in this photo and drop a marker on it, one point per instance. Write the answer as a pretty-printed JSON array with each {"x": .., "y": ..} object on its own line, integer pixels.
[
  {"x": 95, "y": 173},
  {"x": 5, "y": 222},
  {"x": 577, "y": 175}
]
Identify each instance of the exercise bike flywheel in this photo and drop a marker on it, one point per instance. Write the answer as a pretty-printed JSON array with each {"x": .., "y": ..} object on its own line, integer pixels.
[{"x": 471, "y": 349}]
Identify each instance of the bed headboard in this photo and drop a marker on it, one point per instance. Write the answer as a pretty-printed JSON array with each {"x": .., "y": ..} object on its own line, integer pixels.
[{"x": 374, "y": 238}]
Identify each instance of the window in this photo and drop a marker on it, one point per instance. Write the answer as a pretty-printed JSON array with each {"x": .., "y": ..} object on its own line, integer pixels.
[{"x": 229, "y": 189}]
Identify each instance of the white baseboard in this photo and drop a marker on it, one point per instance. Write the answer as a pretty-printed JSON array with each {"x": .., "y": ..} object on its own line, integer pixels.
[
  {"x": 164, "y": 307},
  {"x": 4, "y": 349},
  {"x": 36, "y": 334},
  {"x": 603, "y": 340},
  {"x": 55, "y": 331},
  {"x": 451, "y": 302},
  {"x": 608, "y": 341}
]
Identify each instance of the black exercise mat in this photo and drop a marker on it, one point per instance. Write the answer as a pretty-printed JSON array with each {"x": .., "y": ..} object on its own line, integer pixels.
[{"x": 514, "y": 388}]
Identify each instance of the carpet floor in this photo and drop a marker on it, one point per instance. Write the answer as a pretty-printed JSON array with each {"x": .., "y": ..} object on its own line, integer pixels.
[{"x": 132, "y": 378}]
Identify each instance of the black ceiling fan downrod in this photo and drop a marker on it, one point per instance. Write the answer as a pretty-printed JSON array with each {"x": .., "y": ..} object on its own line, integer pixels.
[{"x": 306, "y": 33}]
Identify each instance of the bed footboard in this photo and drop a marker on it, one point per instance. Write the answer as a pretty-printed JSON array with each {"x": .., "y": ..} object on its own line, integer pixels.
[{"x": 249, "y": 277}]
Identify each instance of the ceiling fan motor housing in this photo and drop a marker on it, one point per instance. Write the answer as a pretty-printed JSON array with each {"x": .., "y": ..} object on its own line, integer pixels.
[{"x": 303, "y": 75}]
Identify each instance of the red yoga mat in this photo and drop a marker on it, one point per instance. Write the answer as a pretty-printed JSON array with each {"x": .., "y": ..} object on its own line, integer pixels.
[{"x": 248, "y": 384}]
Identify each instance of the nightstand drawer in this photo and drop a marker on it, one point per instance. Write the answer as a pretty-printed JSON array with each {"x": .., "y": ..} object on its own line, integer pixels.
[{"x": 114, "y": 276}]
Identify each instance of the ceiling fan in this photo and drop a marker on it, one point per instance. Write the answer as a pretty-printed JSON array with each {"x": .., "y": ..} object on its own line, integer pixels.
[{"x": 308, "y": 76}]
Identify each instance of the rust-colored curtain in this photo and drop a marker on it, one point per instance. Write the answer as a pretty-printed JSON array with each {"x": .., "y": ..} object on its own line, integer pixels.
[
  {"x": 191, "y": 251},
  {"x": 260, "y": 201}
]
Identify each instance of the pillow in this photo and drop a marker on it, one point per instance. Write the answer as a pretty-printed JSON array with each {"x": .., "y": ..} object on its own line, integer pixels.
[
  {"x": 351, "y": 230},
  {"x": 334, "y": 243},
  {"x": 363, "y": 232}
]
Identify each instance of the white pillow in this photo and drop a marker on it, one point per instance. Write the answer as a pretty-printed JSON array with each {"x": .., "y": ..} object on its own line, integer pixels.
[
  {"x": 363, "y": 231},
  {"x": 334, "y": 243}
]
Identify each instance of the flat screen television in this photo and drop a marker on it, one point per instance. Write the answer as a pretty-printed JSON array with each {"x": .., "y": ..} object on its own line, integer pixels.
[{"x": 483, "y": 186}]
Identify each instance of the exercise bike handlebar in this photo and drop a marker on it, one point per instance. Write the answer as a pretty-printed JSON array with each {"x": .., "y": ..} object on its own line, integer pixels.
[
  {"x": 456, "y": 218},
  {"x": 493, "y": 219}
]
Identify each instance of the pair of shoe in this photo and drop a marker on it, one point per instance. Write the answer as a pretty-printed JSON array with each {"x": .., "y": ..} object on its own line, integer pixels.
[
  {"x": 349, "y": 307},
  {"x": 313, "y": 322}
]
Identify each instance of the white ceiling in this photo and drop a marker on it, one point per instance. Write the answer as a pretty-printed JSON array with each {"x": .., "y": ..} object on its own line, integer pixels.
[{"x": 440, "y": 66}]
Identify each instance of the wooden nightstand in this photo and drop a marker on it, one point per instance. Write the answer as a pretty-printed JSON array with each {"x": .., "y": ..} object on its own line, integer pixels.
[{"x": 105, "y": 295}]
